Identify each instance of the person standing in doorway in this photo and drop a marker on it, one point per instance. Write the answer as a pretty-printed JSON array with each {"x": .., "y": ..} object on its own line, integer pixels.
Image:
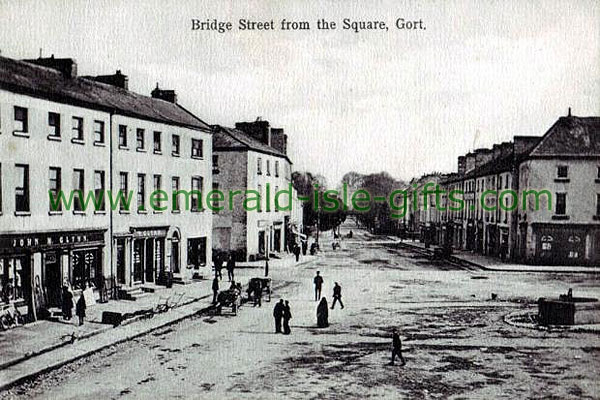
[
  {"x": 215, "y": 289},
  {"x": 337, "y": 295},
  {"x": 278, "y": 314},
  {"x": 67, "y": 303},
  {"x": 318, "y": 281},
  {"x": 396, "y": 348},
  {"x": 80, "y": 309},
  {"x": 287, "y": 315},
  {"x": 231, "y": 267}
]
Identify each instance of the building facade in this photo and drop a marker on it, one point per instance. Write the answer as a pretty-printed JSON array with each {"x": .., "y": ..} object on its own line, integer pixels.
[{"x": 60, "y": 134}]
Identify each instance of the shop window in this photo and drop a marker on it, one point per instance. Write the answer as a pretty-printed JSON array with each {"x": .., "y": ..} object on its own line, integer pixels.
[
  {"x": 54, "y": 188},
  {"x": 573, "y": 254},
  {"x": 11, "y": 278},
  {"x": 98, "y": 132},
  {"x": 21, "y": 120},
  {"x": 77, "y": 129},
  {"x": 54, "y": 123},
  {"x": 175, "y": 145},
  {"x": 22, "y": 188},
  {"x": 197, "y": 150},
  {"x": 86, "y": 270},
  {"x": 197, "y": 252},
  {"x": 140, "y": 139},
  {"x": 547, "y": 242},
  {"x": 122, "y": 136}
]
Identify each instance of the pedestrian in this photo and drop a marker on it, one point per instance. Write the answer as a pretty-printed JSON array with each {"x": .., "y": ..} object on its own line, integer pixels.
[
  {"x": 67, "y": 303},
  {"x": 322, "y": 314},
  {"x": 337, "y": 295},
  {"x": 231, "y": 267},
  {"x": 215, "y": 289},
  {"x": 287, "y": 315},
  {"x": 318, "y": 281},
  {"x": 304, "y": 246},
  {"x": 267, "y": 267},
  {"x": 278, "y": 314},
  {"x": 257, "y": 294},
  {"x": 218, "y": 265},
  {"x": 80, "y": 309},
  {"x": 297, "y": 252},
  {"x": 396, "y": 348}
]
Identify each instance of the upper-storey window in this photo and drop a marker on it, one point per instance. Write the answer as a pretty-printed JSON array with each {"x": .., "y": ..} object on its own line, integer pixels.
[
  {"x": 175, "y": 145},
  {"x": 277, "y": 168},
  {"x": 197, "y": 150},
  {"x": 21, "y": 119},
  {"x": 157, "y": 142},
  {"x": 22, "y": 188},
  {"x": 259, "y": 166},
  {"x": 98, "y": 132},
  {"x": 122, "y": 136},
  {"x": 562, "y": 171},
  {"x": 561, "y": 204},
  {"x": 269, "y": 167},
  {"x": 140, "y": 139},
  {"x": 78, "y": 128},
  {"x": 55, "y": 187},
  {"x": 54, "y": 124}
]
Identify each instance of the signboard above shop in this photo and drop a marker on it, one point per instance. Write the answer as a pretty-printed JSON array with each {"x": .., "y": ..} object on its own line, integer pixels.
[{"x": 45, "y": 240}]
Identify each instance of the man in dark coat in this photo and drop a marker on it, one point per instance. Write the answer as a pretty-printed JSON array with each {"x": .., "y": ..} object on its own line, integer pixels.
[
  {"x": 337, "y": 295},
  {"x": 278, "y": 314},
  {"x": 318, "y": 281},
  {"x": 218, "y": 265},
  {"x": 67, "y": 303},
  {"x": 397, "y": 348},
  {"x": 323, "y": 314},
  {"x": 215, "y": 289},
  {"x": 231, "y": 268},
  {"x": 287, "y": 315},
  {"x": 297, "y": 252},
  {"x": 80, "y": 309},
  {"x": 304, "y": 246}
]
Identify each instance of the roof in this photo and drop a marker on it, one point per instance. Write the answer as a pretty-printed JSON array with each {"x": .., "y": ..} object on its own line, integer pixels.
[
  {"x": 33, "y": 80},
  {"x": 229, "y": 139},
  {"x": 570, "y": 136}
]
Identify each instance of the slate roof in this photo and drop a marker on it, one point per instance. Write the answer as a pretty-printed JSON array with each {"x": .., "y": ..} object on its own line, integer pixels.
[
  {"x": 570, "y": 136},
  {"x": 33, "y": 80},
  {"x": 232, "y": 139}
]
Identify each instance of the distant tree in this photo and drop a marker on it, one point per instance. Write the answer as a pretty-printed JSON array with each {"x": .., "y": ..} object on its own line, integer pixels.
[{"x": 307, "y": 184}]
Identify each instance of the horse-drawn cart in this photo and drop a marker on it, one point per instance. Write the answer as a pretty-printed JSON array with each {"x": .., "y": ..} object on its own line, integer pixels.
[
  {"x": 260, "y": 286},
  {"x": 229, "y": 298}
]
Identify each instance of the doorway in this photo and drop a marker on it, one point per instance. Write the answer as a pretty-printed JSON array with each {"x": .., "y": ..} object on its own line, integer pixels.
[{"x": 52, "y": 279}]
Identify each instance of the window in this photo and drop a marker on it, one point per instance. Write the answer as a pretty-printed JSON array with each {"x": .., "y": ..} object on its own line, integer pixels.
[
  {"x": 598, "y": 173},
  {"x": 78, "y": 129},
  {"x": 268, "y": 167},
  {"x": 0, "y": 189},
  {"x": 259, "y": 166},
  {"x": 215, "y": 168},
  {"x": 139, "y": 139},
  {"x": 197, "y": 148},
  {"x": 22, "y": 188},
  {"x": 277, "y": 168},
  {"x": 197, "y": 183},
  {"x": 21, "y": 120},
  {"x": 561, "y": 204},
  {"x": 175, "y": 189},
  {"x": 54, "y": 188},
  {"x": 99, "y": 189},
  {"x": 141, "y": 193},
  {"x": 78, "y": 188},
  {"x": 597, "y": 203},
  {"x": 123, "y": 185},
  {"x": 122, "y": 136},
  {"x": 259, "y": 189},
  {"x": 98, "y": 132},
  {"x": 54, "y": 123},
  {"x": 562, "y": 171},
  {"x": 175, "y": 145},
  {"x": 275, "y": 194},
  {"x": 157, "y": 182},
  {"x": 157, "y": 143},
  {"x": 215, "y": 186}
]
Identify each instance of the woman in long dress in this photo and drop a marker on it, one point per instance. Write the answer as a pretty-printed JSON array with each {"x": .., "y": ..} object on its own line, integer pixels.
[{"x": 323, "y": 314}]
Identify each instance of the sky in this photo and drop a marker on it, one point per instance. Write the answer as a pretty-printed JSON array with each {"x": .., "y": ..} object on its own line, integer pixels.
[{"x": 405, "y": 102}]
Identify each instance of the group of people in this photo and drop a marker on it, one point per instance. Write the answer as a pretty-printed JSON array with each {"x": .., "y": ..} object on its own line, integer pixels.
[
  {"x": 282, "y": 313},
  {"x": 219, "y": 259},
  {"x": 67, "y": 305},
  {"x": 322, "y": 308}
]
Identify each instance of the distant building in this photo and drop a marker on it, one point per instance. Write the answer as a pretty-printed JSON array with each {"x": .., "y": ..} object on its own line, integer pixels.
[
  {"x": 60, "y": 132},
  {"x": 254, "y": 157}
]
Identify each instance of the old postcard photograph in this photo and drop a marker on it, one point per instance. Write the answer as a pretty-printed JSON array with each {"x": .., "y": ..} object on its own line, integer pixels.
[{"x": 314, "y": 199}]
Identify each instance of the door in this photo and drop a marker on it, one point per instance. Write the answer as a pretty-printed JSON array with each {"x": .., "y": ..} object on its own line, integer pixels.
[
  {"x": 149, "y": 260},
  {"x": 121, "y": 261},
  {"x": 261, "y": 242},
  {"x": 175, "y": 257},
  {"x": 277, "y": 240},
  {"x": 52, "y": 279},
  {"x": 138, "y": 260}
]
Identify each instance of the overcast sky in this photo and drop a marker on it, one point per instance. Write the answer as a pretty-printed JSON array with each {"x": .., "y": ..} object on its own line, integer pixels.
[{"x": 407, "y": 102}]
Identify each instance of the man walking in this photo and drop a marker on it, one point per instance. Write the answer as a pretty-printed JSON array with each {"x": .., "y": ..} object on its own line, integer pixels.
[
  {"x": 215, "y": 289},
  {"x": 218, "y": 265},
  {"x": 278, "y": 314},
  {"x": 231, "y": 268},
  {"x": 287, "y": 315},
  {"x": 297, "y": 252},
  {"x": 337, "y": 295},
  {"x": 318, "y": 281},
  {"x": 396, "y": 348}
]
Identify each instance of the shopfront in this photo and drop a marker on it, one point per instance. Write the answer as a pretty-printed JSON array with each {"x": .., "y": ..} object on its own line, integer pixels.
[
  {"x": 563, "y": 245},
  {"x": 34, "y": 267},
  {"x": 148, "y": 254}
]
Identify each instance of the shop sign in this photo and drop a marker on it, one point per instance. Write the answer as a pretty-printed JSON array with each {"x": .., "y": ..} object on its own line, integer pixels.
[{"x": 49, "y": 239}]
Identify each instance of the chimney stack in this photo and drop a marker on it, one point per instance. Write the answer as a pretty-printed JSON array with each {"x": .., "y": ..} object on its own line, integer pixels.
[
  {"x": 66, "y": 66},
  {"x": 117, "y": 79},
  {"x": 259, "y": 130},
  {"x": 163, "y": 94}
]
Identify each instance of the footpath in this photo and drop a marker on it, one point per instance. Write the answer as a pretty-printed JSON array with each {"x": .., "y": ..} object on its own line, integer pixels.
[
  {"x": 32, "y": 349},
  {"x": 478, "y": 261}
]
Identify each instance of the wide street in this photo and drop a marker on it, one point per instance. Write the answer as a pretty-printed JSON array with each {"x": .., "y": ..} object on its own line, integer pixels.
[{"x": 455, "y": 340}]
